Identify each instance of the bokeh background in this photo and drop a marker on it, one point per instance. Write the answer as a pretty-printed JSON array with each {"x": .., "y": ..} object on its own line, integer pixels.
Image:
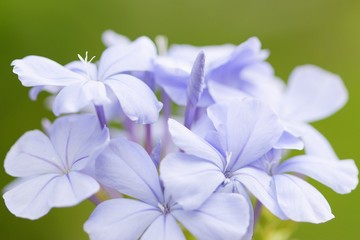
[{"x": 321, "y": 32}]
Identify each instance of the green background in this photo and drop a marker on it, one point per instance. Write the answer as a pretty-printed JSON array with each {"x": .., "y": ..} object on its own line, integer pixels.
[{"x": 321, "y": 32}]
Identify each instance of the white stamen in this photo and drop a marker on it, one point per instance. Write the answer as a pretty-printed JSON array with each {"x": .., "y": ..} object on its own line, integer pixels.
[{"x": 86, "y": 63}]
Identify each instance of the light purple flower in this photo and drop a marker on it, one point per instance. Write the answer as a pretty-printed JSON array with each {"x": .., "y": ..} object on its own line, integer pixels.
[
  {"x": 312, "y": 94},
  {"x": 244, "y": 131},
  {"x": 297, "y": 199},
  {"x": 83, "y": 83},
  {"x": 240, "y": 67},
  {"x": 54, "y": 170},
  {"x": 153, "y": 214}
]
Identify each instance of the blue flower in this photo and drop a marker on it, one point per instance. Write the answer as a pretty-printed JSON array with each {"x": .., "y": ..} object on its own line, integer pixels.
[
  {"x": 242, "y": 132},
  {"x": 83, "y": 83},
  {"x": 54, "y": 171},
  {"x": 126, "y": 167}
]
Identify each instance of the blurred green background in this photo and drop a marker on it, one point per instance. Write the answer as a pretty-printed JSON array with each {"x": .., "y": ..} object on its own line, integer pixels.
[{"x": 321, "y": 32}]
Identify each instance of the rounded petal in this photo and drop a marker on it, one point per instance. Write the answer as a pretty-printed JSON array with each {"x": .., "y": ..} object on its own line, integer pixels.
[
  {"x": 196, "y": 177},
  {"x": 313, "y": 94},
  {"x": 71, "y": 189},
  {"x": 341, "y": 176},
  {"x": 222, "y": 216},
  {"x": 33, "y": 154},
  {"x": 29, "y": 199},
  {"x": 260, "y": 185},
  {"x": 78, "y": 139},
  {"x": 300, "y": 201},
  {"x": 249, "y": 127},
  {"x": 119, "y": 58},
  {"x": 110, "y": 38},
  {"x": 75, "y": 97},
  {"x": 40, "y": 71},
  {"x": 120, "y": 219},
  {"x": 163, "y": 228},
  {"x": 137, "y": 100},
  {"x": 126, "y": 167},
  {"x": 193, "y": 144}
]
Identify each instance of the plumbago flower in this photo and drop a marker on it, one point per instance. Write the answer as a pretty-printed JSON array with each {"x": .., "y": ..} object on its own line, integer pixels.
[
  {"x": 242, "y": 67},
  {"x": 240, "y": 121},
  {"x": 312, "y": 94},
  {"x": 54, "y": 170},
  {"x": 297, "y": 199},
  {"x": 227, "y": 160},
  {"x": 152, "y": 214},
  {"x": 83, "y": 83}
]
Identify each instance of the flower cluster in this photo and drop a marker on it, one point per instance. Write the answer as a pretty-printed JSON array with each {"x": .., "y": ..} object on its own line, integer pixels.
[{"x": 209, "y": 175}]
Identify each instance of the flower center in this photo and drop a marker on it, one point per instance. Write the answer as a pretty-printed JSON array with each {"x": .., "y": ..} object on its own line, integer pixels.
[
  {"x": 164, "y": 208},
  {"x": 86, "y": 63}
]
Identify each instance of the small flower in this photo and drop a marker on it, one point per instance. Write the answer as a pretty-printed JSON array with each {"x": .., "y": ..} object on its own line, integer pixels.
[
  {"x": 83, "y": 82},
  {"x": 54, "y": 170},
  {"x": 126, "y": 167},
  {"x": 243, "y": 132}
]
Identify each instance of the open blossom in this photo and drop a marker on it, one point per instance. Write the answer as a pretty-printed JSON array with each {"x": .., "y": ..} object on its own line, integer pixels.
[
  {"x": 242, "y": 67},
  {"x": 54, "y": 170},
  {"x": 221, "y": 160},
  {"x": 312, "y": 94},
  {"x": 83, "y": 82},
  {"x": 126, "y": 167}
]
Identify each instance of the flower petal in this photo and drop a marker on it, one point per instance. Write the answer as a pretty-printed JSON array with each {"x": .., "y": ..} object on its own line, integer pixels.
[
  {"x": 126, "y": 167},
  {"x": 33, "y": 154},
  {"x": 29, "y": 199},
  {"x": 120, "y": 219},
  {"x": 138, "y": 102},
  {"x": 192, "y": 144},
  {"x": 119, "y": 58},
  {"x": 164, "y": 228},
  {"x": 73, "y": 98},
  {"x": 78, "y": 139},
  {"x": 249, "y": 127},
  {"x": 260, "y": 185},
  {"x": 71, "y": 189},
  {"x": 110, "y": 38},
  {"x": 341, "y": 176},
  {"x": 39, "y": 71},
  {"x": 196, "y": 177},
  {"x": 300, "y": 201},
  {"x": 313, "y": 94},
  {"x": 222, "y": 216}
]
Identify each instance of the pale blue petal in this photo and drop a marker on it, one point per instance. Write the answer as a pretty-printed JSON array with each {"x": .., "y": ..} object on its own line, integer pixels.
[
  {"x": 222, "y": 216},
  {"x": 110, "y": 38},
  {"x": 164, "y": 228},
  {"x": 289, "y": 141},
  {"x": 120, "y": 219},
  {"x": 75, "y": 97},
  {"x": 33, "y": 154},
  {"x": 189, "y": 179},
  {"x": 71, "y": 189},
  {"x": 313, "y": 94},
  {"x": 78, "y": 140},
  {"x": 221, "y": 92},
  {"x": 136, "y": 56},
  {"x": 126, "y": 167},
  {"x": 300, "y": 201},
  {"x": 173, "y": 76},
  {"x": 137, "y": 100},
  {"x": 88, "y": 70},
  {"x": 40, "y": 71},
  {"x": 316, "y": 144},
  {"x": 29, "y": 199},
  {"x": 192, "y": 144},
  {"x": 260, "y": 185},
  {"x": 250, "y": 128},
  {"x": 341, "y": 176}
]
